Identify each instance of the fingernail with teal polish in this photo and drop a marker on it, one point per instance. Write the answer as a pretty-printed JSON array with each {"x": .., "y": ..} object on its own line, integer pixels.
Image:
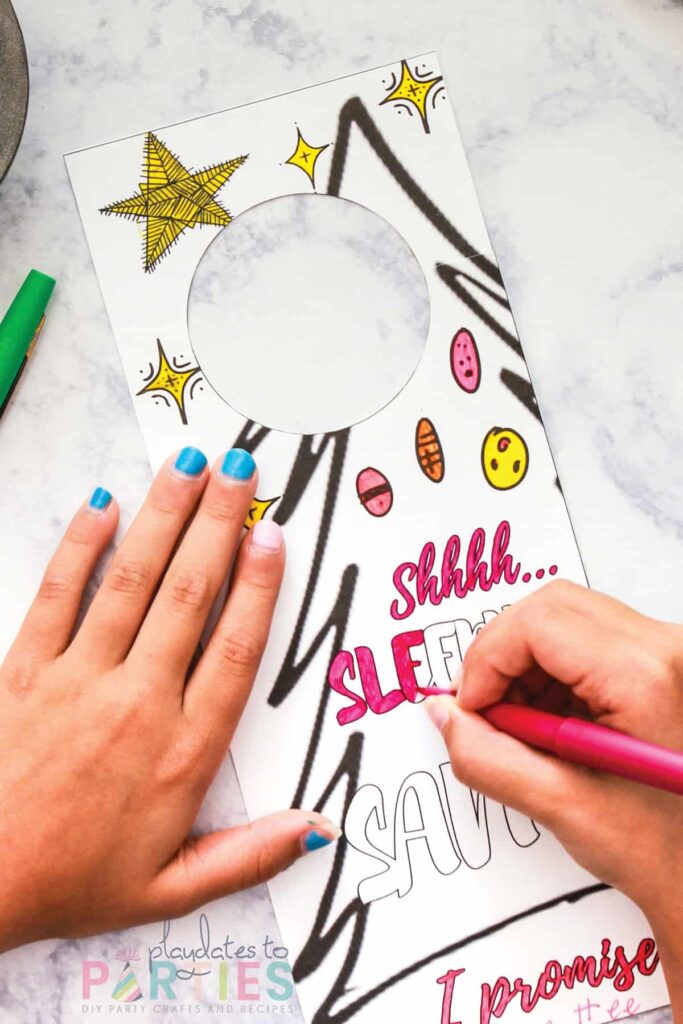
[
  {"x": 190, "y": 462},
  {"x": 238, "y": 464},
  {"x": 314, "y": 841},
  {"x": 321, "y": 835},
  {"x": 100, "y": 500}
]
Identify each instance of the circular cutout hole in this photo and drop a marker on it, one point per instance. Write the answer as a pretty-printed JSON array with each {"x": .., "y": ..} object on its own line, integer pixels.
[{"x": 308, "y": 313}]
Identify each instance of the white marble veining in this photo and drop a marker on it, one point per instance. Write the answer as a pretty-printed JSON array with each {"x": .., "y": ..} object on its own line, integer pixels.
[{"x": 572, "y": 116}]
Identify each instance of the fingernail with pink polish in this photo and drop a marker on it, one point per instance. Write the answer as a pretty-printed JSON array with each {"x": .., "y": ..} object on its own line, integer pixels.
[{"x": 267, "y": 535}]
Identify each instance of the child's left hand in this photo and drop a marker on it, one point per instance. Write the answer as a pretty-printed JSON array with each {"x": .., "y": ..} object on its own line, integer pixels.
[{"x": 108, "y": 747}]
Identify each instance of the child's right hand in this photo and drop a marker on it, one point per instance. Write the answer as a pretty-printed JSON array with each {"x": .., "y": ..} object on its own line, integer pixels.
[{"x": 569, "y": 650}]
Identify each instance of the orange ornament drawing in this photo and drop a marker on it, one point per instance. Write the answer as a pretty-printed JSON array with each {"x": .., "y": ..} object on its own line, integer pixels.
[{"x": 429, "y": 451}]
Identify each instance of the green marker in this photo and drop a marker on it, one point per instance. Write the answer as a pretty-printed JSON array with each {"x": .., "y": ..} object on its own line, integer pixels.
[{"x": 19, "y": 330}]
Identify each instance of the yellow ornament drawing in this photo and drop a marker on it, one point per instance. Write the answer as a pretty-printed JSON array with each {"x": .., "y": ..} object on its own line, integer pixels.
[
  {"x": 504, "y": 458},
  {"x": 257, "y": 511},
  {"x": 306, "y": 156},
  {"x": 170, "y": 379},
  {"x": 413, "y": 90},
  {"x": 173, "y": 198}
]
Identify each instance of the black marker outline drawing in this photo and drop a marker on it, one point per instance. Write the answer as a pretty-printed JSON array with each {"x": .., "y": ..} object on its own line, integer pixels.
[{"x": 406, "y": 786}]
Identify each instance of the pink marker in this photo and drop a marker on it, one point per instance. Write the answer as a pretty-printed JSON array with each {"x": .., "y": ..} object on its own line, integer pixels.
[{"x": 585, "y": 743}]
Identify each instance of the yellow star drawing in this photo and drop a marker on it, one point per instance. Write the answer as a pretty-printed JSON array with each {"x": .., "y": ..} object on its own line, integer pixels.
[
  {"x": 170, "y": 380},
  {"x": 171, "y": 198},
  {"x": 305, "y": 156},
  {"x": 413, "y": 90},
  {"x": 257, "y": 511}
]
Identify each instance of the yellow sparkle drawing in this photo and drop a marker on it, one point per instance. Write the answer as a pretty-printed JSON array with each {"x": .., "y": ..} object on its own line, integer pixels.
[
  {"x": 170, "y": 381},
  {"x": 306, "y": 156},
  {"x": 172, "y": 198},
  {"x": 413, "y": 90},
  {"x": 257, "y": 511}
]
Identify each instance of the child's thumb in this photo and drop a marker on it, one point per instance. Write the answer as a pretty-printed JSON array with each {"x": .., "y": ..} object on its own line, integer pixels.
[
  {"x": 221, "y": 863},
  {"x": 501, "y": 767}
]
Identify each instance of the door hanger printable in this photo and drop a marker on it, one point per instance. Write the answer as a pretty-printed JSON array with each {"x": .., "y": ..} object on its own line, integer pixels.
[{"x": 407, "y": 531}]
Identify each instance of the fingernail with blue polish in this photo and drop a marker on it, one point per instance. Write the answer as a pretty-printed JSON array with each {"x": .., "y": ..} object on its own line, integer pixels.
[
  {"x": 190, "y": 462},
  {"x": 321, "y": 834},
  {"x": 100, "y": 500},
  {"x": 238, "y": 464}
]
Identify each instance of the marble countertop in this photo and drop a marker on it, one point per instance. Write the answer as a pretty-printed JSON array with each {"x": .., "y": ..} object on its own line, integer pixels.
[{"x": 572, "y": 116}]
